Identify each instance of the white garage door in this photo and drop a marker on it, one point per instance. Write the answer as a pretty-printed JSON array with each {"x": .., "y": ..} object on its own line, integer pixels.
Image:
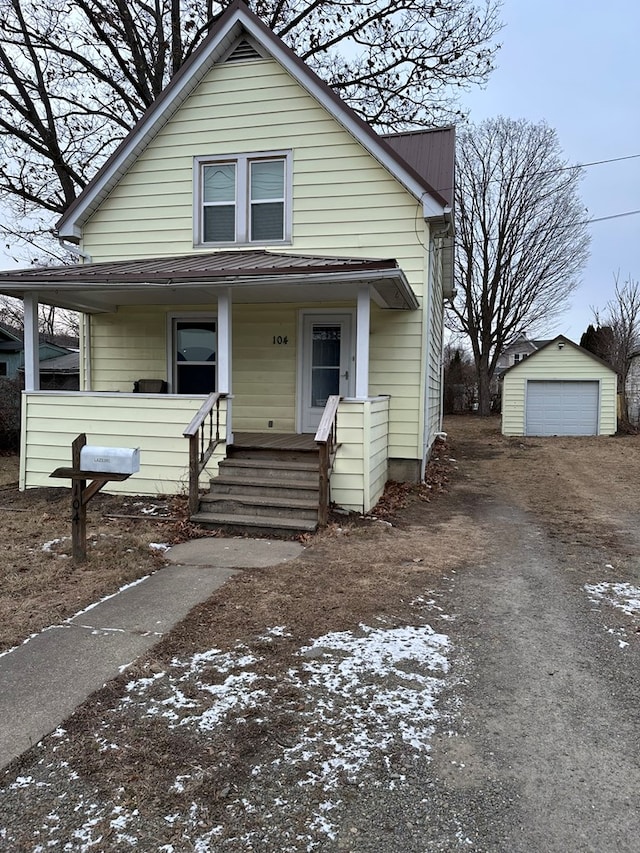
[{"x": 562, "y": 408}]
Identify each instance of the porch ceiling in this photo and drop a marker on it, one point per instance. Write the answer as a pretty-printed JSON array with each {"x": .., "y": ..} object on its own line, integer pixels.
[{"x": 254, "y": 276}]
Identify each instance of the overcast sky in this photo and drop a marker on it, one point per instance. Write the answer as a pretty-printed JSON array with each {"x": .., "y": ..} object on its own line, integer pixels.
[{"x": 575, "y": 64}]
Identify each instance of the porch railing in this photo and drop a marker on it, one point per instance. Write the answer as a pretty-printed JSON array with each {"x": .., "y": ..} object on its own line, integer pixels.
[
  {"x": 326, "y": 439},
  {"x": 204, "y": 436}
]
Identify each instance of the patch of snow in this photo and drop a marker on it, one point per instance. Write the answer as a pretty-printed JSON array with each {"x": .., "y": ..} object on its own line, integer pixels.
[
  {"x": 356, "y": 696},
  {"x": 159, "y": 546},
  {"x": 48, "y": 546},
  {"x": 624, "y": 596}
]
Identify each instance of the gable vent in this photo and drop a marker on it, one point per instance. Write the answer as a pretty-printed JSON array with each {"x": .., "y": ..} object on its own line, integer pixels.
[{"x": 243, "y": 52}]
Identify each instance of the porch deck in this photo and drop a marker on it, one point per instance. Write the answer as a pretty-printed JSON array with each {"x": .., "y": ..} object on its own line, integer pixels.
[{"x": 273, "y": 441}]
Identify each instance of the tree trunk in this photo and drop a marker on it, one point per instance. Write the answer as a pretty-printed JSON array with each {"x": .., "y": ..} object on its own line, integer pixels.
[{"x": 484, "y": 390}]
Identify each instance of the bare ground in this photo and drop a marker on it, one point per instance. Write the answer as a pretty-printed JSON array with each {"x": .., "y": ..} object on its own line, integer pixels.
[
  {"x": 581, "y": 492},
  {"x": 39, "y": 583}
]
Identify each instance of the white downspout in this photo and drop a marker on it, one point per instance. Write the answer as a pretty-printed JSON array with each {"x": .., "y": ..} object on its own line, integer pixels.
[
  {"x": 71, "y": 247},
  {"x": 433, "y": 255}
]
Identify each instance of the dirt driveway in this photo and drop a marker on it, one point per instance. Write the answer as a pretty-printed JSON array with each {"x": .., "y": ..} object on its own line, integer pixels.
[
  {"x": 547, "y": 756},
  {"x": 464, "y": 679}
]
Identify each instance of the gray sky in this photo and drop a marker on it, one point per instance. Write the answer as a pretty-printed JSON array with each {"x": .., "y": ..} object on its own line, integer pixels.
[{"x": 574, "y": 63}]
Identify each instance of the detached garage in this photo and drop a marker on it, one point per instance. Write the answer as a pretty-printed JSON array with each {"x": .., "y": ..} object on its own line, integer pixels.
[{"x": 561, "y": 389}]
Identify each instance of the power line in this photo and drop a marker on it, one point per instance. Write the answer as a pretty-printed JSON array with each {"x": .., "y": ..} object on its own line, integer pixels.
[
  {"x": 593, "y": 163},
  {"x": 613, "y": 216}
]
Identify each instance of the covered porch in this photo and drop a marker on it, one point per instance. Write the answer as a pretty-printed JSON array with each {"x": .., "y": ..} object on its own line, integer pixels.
[{"x": 313, "y": 319}]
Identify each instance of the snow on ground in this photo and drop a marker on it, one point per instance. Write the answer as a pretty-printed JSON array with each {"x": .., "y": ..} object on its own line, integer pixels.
[
  {"x": 622, "y": 596},
  {"x": 352, "y": 699}
]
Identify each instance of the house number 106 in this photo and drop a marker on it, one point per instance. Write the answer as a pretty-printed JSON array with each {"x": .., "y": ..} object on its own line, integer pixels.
[{"x": 280, "y": 339}]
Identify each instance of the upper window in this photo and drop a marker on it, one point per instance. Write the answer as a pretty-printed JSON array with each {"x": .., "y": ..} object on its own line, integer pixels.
[{"x": 243, "y": 199}]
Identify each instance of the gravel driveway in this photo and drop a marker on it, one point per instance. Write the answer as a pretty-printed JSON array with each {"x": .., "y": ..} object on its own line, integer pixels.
[{"x": 466, "y": 679}]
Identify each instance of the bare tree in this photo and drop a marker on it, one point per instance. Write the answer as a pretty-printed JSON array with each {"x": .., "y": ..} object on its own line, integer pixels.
[
  {"x": 76, "y": 76},
  {"x": 621, "y": 317},
  {"x": 521, "y": 237},
  {"x": 51, "y": 321},
  {"x": 459, "y": 380}
]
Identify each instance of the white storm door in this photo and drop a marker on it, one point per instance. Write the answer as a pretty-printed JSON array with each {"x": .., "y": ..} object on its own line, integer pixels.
[{"x": 327, "y": 364}]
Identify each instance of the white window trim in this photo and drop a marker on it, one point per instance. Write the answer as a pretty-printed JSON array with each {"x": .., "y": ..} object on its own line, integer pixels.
[
  {"x": 204, "y": 316},
  {"x": 243, "y": 201}
]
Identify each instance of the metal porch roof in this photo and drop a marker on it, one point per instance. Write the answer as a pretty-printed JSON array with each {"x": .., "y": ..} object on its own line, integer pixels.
[{"x": 262, "y": 276}]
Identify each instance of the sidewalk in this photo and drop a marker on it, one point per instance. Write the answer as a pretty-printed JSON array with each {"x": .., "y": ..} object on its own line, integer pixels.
[{"x": 46, "y": 678}]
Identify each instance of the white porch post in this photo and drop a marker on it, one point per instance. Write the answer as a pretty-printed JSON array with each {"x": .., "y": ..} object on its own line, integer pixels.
[
  {"x": 362, "y": 342},
  {"x": 31, "y": 343},
  {"x": 224, "y": 355}
]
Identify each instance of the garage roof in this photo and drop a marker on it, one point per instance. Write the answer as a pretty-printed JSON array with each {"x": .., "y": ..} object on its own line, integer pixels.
[{"x": 555, "y": 341}]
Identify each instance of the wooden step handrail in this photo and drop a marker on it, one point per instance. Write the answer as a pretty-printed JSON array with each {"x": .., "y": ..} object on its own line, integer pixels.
[
  {"x": 199, "y": 455},
  {"x": 326, "y": 439}
]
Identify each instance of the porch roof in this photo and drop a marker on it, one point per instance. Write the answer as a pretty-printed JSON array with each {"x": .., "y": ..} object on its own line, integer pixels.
[{"x": 254, "y": 276}]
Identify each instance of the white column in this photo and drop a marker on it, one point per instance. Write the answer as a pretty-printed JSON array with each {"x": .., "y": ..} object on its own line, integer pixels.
[
  {"x": 31, "y": 343},
  {"x": 224, "y": 354},
  {"x": 362, "y": 342}
]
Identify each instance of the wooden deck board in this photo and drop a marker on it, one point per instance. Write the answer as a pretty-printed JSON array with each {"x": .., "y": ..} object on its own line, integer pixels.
[{"x": 273, "y": 441}]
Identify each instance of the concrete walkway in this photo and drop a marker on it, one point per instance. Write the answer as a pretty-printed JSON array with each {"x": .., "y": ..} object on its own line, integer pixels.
[{"x": 46, "y": 678}]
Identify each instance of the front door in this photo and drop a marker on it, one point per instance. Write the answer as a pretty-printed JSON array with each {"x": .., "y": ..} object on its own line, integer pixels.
[{"x": 327, "y": 364}]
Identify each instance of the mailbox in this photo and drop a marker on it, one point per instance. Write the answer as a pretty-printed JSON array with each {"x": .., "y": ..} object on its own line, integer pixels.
[{"x": 110, "y": 460}]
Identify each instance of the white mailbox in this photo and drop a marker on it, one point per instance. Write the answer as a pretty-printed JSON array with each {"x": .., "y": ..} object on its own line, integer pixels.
[{"x": 110, "y": 460}]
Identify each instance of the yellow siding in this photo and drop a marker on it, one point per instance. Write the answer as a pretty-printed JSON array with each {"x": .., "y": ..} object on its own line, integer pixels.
[
  {"x": 52, "y": 420},
  {"x": 348, "y": 476},
  {"x": 435, "y": 323},
  {"x": 336, "y": 182},
  {"x": 131, "y": 344},
  {"x": 376, "y": 448},
  {"x": 562, "y": 364},
  {"x": 344, "y": 203},
  {"x": 360, "y": 469}
]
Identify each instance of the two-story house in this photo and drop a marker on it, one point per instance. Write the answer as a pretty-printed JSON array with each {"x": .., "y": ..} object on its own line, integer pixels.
[{"x": 269, "y": 273}]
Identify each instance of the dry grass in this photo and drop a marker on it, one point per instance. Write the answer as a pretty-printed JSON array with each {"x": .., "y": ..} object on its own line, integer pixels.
[
  {"x": 584, "y": 489},
  {"x": 358, "y": 571},
  {"x": 9, "y": 470},
  {"x": 40, "y": 584}
]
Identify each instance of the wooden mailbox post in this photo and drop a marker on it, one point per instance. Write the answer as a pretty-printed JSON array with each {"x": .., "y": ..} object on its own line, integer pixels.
[{"x": 81, "y": 494}]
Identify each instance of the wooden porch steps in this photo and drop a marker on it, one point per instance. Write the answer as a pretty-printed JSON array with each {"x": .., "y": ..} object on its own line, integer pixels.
[{"x": 264, "y": 490}]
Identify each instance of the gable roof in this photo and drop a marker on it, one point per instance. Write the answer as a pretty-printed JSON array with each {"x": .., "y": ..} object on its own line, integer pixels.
[
  {"x": 556, "y": 340},
  {"x": 68, "y": 362},
  {"x": 236, "y": 22},
  {"x": 9, "y": 335}
]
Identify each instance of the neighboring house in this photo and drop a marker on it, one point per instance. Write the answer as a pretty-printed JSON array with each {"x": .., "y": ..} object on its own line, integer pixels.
[
  {"x": 254, "y": 238},
  {"x": 61, "y": 373},
  {"x": 522, "y": 347},
  {"x": 561, "y": 389},
  {"x": 12, "y": 352},
  {"x": 632, "y": 389}
]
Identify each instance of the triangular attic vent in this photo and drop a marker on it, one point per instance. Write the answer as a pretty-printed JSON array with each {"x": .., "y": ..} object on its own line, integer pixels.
[{"x": 242, "y": 52}]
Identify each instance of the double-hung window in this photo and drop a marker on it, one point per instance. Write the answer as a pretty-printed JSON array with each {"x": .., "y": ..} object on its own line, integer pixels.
[
  {"x": 193, "y": 354},
  {"x": 243, "y": 199}
]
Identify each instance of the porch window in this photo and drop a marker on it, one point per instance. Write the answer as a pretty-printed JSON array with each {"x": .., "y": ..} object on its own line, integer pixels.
[
  {"x": 3, "y": 368},
  {"x": 195, "y": 352},
  {"x": 243, "y": 199}
]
